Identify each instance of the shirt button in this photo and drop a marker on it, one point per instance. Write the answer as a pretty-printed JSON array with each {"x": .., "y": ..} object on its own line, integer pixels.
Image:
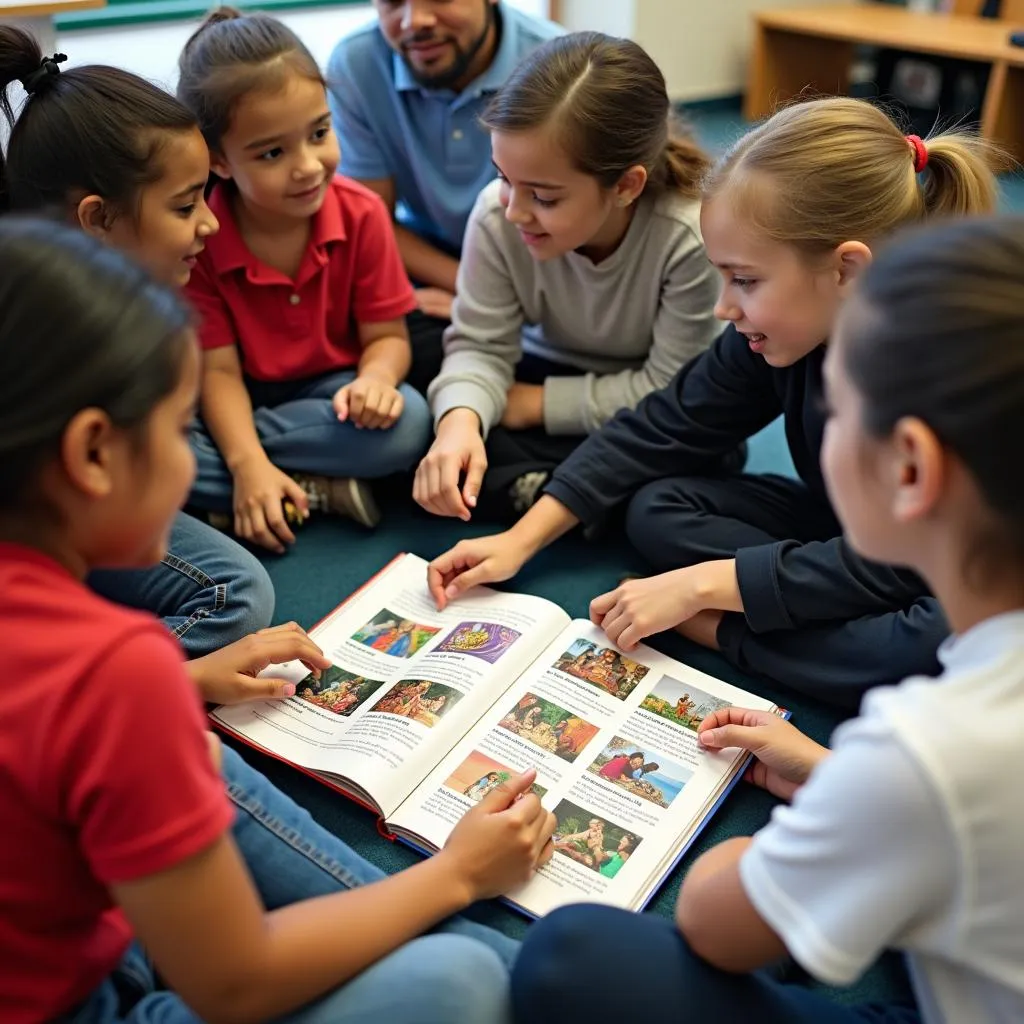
[
  {"x": 457, "y": 134},
  {"x": 294, "y": 299}
]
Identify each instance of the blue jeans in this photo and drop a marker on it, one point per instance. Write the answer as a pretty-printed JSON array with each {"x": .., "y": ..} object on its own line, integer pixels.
[
  {"x": 300, "y": 433},
  {"x": 208, "y": 590},
  {"x": 591, "y": 962},
  {"x": 458, "y": 972}
]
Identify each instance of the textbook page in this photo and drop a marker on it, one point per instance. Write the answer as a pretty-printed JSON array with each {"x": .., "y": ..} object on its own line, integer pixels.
[
  {"x": 406, "y": 681},
  {"x": 614, "y": 740}
]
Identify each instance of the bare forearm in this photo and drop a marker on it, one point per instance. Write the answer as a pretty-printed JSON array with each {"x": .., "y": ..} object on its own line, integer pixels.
[
  {"x": 425, "y": 263},
  {"x": 387, "y": 358},
  {"x": 227, "y": 412},
  {"x": 545, "y": 522},
  {"x": 317, "y": 945}
]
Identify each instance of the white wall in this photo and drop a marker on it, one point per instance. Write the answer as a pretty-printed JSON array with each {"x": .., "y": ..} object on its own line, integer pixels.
[
  {"x": 702, "y": 46},
  {"x": 152, "y": 50}
]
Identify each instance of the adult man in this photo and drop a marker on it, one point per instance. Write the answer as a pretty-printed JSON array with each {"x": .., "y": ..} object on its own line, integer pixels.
[{"x": 406, "y": 93}]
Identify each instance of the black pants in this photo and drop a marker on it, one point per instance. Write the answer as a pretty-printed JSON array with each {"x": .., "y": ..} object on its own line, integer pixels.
[
  {"x": 856, "y": 624},
  {"x": 513, "y": 454},
  {"x": 597, "y": 963},
  {"x": 425, "y": 337}
]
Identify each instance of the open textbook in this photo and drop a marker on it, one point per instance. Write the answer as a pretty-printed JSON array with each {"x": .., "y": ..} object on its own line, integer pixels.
[{"x": 424, "y": 712}]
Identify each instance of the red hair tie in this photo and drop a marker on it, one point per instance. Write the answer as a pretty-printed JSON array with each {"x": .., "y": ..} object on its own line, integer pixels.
[{"x": 920, "y": 151}]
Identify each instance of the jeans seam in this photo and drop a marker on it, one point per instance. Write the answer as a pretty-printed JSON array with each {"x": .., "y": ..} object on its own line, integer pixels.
[
  {"x": 293, "y": 837},
  {"x": 201, "y": 579}
]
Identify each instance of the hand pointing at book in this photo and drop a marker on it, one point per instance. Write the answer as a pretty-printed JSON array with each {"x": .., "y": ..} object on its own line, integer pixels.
[
  {"x": 500, "y": 843},
  {"x": 229, "y": 676}
]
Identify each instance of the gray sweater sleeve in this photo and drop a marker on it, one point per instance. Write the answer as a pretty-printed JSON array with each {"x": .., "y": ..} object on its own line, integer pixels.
[
  {"x": 684, "y": 326},
  {"x": 482, "y": 346}
]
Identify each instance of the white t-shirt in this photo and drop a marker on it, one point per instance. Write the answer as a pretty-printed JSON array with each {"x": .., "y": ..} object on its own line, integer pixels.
[{"x": 911, "y": 836}]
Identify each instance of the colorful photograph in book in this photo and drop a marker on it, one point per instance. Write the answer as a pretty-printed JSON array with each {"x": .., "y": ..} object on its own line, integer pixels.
[
  {"x": 681, "y": 703},
  {"x": 591, "y": 840},
  {"x": 337, "y": 690},
  {"x": 485, "y": 640},
  {"x": 391, "y": 634},
  {"x": 419, "y": 700},
  {"x": 479, "y": 774},
  {"x": 603, "y": 667},
  {"x": 640, "y": 771},
  {"x": 548, "y": 726}
]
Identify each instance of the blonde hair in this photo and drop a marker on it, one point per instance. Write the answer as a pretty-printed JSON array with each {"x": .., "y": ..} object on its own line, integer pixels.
[
  {"x": 608, "y": 100},
  {"x": 817, "y": 174}
]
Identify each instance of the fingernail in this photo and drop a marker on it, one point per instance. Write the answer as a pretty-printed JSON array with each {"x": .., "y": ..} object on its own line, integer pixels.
[
  {"x": 471, "y": 501},
  {"x": 289, "y": 689},
  {"x": 451, "y": 592}
]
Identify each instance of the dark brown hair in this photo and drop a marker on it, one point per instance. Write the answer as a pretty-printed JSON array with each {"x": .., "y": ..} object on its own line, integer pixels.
[
  {"x": 936, "y": 332},
  {"x": 608, "y": 102},
  {"x": 91, "y": 130},
  {"x": 232, "y": 54},
  {"x": 83, "y": 326}
]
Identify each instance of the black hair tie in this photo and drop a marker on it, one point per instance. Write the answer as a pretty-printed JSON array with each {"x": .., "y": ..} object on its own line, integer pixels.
[{"x": 43, "y": 75}]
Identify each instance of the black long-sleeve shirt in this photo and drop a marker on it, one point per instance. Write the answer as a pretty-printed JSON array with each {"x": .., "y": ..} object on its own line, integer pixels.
[{"x": 714, "y": 402}]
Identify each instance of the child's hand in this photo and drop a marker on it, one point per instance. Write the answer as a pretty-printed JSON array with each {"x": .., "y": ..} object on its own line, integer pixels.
[
  {"x": 457, "y": 449},
  {"x": 435, "y": 302},
  {"x": 501, "y": 842},
  {"x": 784, "y": 756},
  {"x": 473, "y": 562},
  {"x": 524, "y": 407},
  {"x": 369, "y": 402},
  {"x": 639, "y": 608},
  {"x": 260, "y": 490},
  {"x": 228, "y": 676}
]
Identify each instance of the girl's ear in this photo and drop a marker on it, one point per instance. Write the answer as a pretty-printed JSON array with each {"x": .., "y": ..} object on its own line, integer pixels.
[
  {"x": 919, "y": 467},
  {"x": 630, "y": 185},
  {"x": 94, "y": 217},
  {"x": 87, "y": 453},
  {"x": 852, "y": 259},
  {"x": 220, "y": 166}
]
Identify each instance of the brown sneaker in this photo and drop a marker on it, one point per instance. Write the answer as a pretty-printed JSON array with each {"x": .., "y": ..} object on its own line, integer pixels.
[{"x": 341, "y": 497}]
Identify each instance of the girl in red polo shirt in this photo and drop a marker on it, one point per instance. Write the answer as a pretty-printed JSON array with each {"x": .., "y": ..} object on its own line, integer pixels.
[
  {"x": 302, "y": 296},
  {"x": 119, "y": 843}
]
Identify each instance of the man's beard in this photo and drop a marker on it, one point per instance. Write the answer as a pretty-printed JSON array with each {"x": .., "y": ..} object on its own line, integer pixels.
[{"x": 463, "y": 58}]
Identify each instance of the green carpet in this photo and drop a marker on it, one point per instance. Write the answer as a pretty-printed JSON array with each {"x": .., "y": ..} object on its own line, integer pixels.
[{"x": 333, "y": 557}]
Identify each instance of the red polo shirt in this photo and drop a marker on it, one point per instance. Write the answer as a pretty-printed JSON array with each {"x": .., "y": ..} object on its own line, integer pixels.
[{"x": 286, "y": 329}]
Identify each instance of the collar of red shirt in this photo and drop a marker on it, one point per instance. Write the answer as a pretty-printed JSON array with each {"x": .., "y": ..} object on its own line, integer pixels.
[{"x": 227, "y": 249}]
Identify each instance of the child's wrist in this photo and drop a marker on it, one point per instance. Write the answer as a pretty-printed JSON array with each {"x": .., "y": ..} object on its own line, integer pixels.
[{"x": 380, "y": 374}]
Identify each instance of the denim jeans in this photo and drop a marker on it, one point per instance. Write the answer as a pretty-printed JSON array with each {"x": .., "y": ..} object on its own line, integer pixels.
[
  {"x": 458, "y": 972},
  {"x": 300, "y": 433},
  {"x": 208, "y": 590},
  {"x": 655, "y": 978}
]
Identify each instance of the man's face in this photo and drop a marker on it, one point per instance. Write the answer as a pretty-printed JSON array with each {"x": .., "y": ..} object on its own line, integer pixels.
[{"x": 441, "y": 41}]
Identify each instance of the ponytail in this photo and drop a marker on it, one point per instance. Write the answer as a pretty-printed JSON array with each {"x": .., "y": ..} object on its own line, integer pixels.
[
  {"x": 682, "y": 166},
  {"x": 20, "y": 55},
  {"x": 958, "y": 177},
  {"x": 841, "y": 169},
  {"x": 91, "y": 130}
]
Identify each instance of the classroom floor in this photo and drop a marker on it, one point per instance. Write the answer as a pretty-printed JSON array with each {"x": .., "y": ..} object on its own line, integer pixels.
[{"x": 333, "y": 557}]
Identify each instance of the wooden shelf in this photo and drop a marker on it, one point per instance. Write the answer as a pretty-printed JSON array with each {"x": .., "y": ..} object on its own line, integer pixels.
[{"x": 810, "y": 50}]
